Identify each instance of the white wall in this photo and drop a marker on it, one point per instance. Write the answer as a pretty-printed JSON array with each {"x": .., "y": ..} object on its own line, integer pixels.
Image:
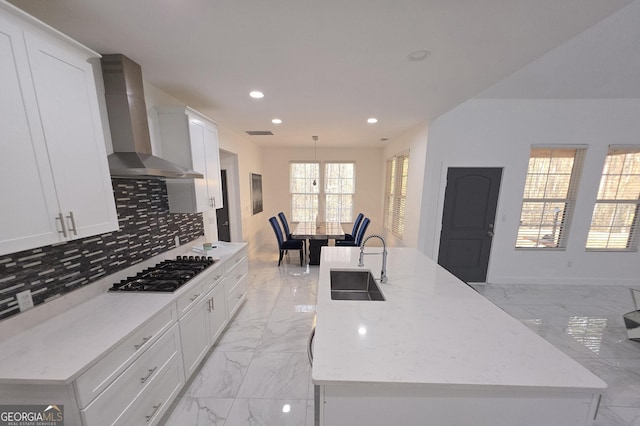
[
  {"x": 499, "y": 133},
  {"x": 369, "y": 180},
  {"x": 413, "y": 140},
  {"x": 249, "y": 161}
]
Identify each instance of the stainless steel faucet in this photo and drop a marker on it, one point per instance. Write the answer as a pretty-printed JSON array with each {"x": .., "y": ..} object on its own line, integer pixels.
[{"x": 383, "y": 273}]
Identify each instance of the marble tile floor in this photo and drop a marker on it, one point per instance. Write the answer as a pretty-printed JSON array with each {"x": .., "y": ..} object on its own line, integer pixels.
[{"x": 258, "y": 372}]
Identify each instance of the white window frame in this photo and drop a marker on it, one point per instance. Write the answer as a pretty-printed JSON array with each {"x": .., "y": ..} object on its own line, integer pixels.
[
  {"x": 553, "y": 226},
  {"x": 601, "y": 237},
  {"x": 310, "y": 199},
  {"x": 318, "y": 195},
  {"x": 395, "y": 193},
  {"x": 343, "y": 197}
]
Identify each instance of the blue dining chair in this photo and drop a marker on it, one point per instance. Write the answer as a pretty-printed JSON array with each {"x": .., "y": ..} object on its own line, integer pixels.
[
  {"x": 285, "y": 246},
  {"x": 354, "y": 232},
  {"x": 359, "y": 237},
  {"x": 287, "y": 232}
]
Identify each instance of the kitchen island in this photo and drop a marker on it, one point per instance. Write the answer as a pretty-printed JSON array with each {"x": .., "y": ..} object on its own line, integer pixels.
[{"x": 436, "y": 352}]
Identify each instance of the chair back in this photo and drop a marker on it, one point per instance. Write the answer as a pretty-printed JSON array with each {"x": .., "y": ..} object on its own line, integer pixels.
[
  {"x": 356, "y": 224},
  {"x": 285, "y": 225},
  {"x": 276, "y": 229},
  {"x": 362, "y": 230}
]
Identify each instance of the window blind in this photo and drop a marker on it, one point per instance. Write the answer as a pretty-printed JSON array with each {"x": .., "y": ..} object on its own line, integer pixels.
[
  {"x": 615, "y": 215},
  {"x": 549, "y": 196}
]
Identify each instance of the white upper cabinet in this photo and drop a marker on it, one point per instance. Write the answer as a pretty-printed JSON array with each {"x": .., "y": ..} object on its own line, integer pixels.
[
  {"x": 191, "y": 140},
  {"x": 54, "y": 172}
]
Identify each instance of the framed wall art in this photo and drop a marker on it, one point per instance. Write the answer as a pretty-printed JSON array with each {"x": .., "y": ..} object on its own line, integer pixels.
[{"x": 256, "y": 193}]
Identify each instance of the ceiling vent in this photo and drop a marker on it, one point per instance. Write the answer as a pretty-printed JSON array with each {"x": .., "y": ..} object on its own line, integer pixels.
[{"x": 260, "y": 132}]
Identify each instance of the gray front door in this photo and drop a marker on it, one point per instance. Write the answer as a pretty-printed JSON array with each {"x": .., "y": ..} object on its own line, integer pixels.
[{"x": 468, "y": 216}]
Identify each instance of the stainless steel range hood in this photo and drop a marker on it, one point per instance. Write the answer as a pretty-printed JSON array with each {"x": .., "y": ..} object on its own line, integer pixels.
[{"x": 129, "y": 126}]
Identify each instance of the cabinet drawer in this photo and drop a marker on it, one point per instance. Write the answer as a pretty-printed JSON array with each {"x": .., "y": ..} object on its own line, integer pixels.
[
  {"x": 149, "y": 407},
  {"x": 189, "y": 299},
  {"x": 214, "y": 277},
  {"x": 236, "y": 258},
  {"x": 106, "y": 408},
  {"x": 236, "y": 294},
  {"x": 239, "y": 269},
  {"x": 97, "y": 378}
]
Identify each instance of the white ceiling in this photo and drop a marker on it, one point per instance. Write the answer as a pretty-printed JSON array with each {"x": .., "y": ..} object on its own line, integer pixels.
[
  {"x": 325, "y": 66},
  {"x": 602, "y": 62}
]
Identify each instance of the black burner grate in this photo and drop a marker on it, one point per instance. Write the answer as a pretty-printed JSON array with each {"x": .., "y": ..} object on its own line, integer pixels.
[{"x": 166, "y": 276}]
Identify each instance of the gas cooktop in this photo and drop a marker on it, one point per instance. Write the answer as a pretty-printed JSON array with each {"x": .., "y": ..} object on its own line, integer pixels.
[{"x": 166, "y": 276}]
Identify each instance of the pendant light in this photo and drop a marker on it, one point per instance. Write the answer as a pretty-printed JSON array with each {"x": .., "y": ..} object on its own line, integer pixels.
[{"x": 315, "y": 155}]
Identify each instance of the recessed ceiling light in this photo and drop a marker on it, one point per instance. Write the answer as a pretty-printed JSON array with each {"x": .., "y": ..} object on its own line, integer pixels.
[
  {"x": 276, "y": 121},
  {"x": 256, "y": 94},
  {"x": 418, "y": 55},
  {"x": 372, "y": 120}
]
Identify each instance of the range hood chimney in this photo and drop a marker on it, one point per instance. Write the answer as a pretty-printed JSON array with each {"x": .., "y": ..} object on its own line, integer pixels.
[{"x": 129, "y": 126}]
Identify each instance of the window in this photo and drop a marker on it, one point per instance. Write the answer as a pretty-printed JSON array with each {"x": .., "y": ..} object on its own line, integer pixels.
[
  {"x": 548, "y": 200},
  {"x": 615, "y": 215},
  {"x": 339, "y": 187},
  {"x": 335, "y": 188},
  {"x": 395, "y": 194},
  {"x": 304, "y": 194}
]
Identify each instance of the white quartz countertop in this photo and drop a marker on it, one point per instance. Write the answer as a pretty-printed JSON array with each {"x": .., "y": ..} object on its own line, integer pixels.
[
  {"x": 432, "y": 330},
  {"x": 61, "y": 348}
]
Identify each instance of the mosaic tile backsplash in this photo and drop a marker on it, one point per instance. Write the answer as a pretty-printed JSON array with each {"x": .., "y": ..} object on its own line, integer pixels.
[{"x": 146, "y": 229}]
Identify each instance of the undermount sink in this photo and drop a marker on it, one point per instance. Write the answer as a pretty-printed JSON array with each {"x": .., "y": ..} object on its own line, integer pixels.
[{"x": 354, "y": 285}]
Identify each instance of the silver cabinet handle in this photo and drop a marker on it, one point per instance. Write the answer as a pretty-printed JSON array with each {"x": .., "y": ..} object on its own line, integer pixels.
[
  {"x": 211, "y": 202},
  {"x": 64, "y": 228},
  {"x": 144, "y": 340},
  {"x": 155, "y": 410},
  {"x": 310, "y": 345},
  {"x": 73, "y": 224},
  {"x": 195, "y": 297},
  {"x": 211, "y": 304},
  {"x": 144, "y": 379}
]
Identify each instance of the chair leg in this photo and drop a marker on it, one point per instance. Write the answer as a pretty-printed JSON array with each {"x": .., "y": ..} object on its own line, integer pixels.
[
  {"x": 301, "y": 257},
  {"x": 280, "y": 259}
]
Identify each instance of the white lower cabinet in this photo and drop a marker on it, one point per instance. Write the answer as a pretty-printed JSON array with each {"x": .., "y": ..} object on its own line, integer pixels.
[
  {"x": 235, "y": 282},
  {"x": 216, "y": 313},
  {"x": 123, "y": 393},
  {"x": 193, "y": 331},
  {"x": 150, "y": 406},
  {"x": 91, "y": 383},
  {"x": 201, "y": 326}
]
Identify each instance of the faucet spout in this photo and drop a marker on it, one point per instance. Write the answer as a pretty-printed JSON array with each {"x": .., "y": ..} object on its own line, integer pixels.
[{"x": 383, "y": 272}]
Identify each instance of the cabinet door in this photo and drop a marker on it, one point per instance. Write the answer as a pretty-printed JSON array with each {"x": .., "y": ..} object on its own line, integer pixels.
[
  {"x": 67, "y": 101},
  {"x": 217, "y": 309},
  {"x": 198, "y": 136},
  {"x": 29, "y": 205},
  {"x": 194, "y": 337},
  {"x": 212, "y": 153}
]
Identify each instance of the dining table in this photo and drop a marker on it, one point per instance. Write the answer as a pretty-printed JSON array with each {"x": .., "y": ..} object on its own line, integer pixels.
[{"x": 318, "y": 234}]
